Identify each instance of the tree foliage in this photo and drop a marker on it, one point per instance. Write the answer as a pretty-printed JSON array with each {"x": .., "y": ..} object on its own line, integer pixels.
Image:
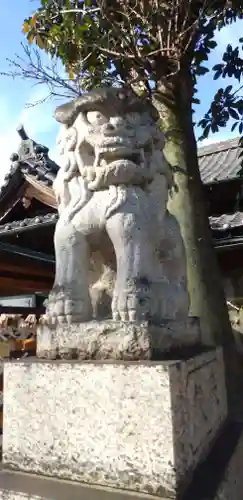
[
  {"x": 227, "y": 103},
  {"x": 148, "y": 39},
  {"x": 136, "y": 42}
]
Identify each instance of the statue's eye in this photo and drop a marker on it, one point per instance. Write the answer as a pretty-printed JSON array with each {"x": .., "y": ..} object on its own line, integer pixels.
[{"x": 96, "y": 118}]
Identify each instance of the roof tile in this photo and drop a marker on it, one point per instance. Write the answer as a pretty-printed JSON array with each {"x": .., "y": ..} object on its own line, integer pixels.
[
  {"x": 32, "y": 159},
  {"x": 226, "y": 221},
  {"x": 31, "y": 223},
  {"x": 219, "y": 161}
]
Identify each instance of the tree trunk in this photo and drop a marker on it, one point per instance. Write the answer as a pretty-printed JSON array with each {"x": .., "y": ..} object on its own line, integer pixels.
[{"x": 188, "y": 204}]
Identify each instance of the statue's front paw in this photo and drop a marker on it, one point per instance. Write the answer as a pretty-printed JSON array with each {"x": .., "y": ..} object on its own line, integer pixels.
[
  {"x": 55, "y": 307},
  {"x": 119, "y": 307},
  {"x": 132, "y": 307}
]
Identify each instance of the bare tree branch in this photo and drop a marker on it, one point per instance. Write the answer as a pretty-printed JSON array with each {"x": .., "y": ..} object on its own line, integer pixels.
[{"x": 30, "y": 67}]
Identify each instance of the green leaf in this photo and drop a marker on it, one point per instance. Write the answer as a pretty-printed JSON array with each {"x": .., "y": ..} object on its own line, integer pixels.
[
  {"x": 228, "y": 89},
  {"x": 233, "y": 113},
  {"x": 202, "y": 70},
  {"x": 212, "y": 44},
  {"x": 218, "y": 67},
  {"x": 234, "y": 126},
  {"x": 217, "y": 75},
  {"x": 206, "y": 131},
  {"x": 214, "y": 127}
]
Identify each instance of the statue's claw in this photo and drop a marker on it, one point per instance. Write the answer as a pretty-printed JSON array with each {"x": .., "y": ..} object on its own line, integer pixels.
[
  {"x": 61, "y": 310},
  {"x": 132, "y": 307}
]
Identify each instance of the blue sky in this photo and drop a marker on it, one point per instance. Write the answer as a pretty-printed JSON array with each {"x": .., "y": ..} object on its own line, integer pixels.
[{"x": 38, "y": 121}]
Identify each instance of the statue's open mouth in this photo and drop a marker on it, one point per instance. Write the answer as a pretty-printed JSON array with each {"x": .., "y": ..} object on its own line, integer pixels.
[
  {"x": 108, "y": 155},
  {"x": 102, "y": 151},
  {"x": 101, "y": 156}
]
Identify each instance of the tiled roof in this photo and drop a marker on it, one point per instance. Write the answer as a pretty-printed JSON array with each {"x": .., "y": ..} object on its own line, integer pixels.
[
  {"x": 219, "y": 161},
  {"x": 221, "y": 223},
  {"x": 31, "y": 159},
  {"x": 44, "y": 171},
  {"x": 30, "y": 223},
  {"x": 226, "y": 221}
]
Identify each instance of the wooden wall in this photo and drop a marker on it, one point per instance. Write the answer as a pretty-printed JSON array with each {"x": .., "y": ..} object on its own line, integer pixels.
[{"x": 20, "y": 276}]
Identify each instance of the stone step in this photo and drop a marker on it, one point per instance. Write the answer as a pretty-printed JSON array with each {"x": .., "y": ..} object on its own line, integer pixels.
[{"x": 22, "y": 486}]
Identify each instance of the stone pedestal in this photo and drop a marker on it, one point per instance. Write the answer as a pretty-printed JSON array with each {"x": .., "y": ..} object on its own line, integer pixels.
[
  {"x": 117, "y": 340},
  {"x": 139, "y": 426}
]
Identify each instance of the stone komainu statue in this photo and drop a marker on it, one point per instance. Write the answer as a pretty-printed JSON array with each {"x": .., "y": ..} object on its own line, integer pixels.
[{"x": 119, "y": 252}]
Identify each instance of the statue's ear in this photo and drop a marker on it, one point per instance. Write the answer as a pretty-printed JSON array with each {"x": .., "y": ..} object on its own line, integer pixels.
[{"x": 66, "y": 113}]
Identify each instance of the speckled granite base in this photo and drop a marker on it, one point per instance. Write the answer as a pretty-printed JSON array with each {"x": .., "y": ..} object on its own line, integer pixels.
[
  {"x": 116, "y": 339},
  {"x": 222, "y": 468},
  {"x": 138, "y": 426}
]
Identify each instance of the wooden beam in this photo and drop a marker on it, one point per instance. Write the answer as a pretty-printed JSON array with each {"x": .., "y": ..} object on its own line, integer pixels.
[
  {"x": 22, "y": 310},
  {"x": 13, "y": 201},
  {"x": 11, "y": 286},
  {"x": 25, "y": 277},
  {"x": 43, "y": 193},
  {"x": 26, "y": 269},
  {"x": 28, "y": 253}
]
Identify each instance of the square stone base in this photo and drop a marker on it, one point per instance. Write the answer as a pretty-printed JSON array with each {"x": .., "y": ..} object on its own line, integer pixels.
[
  {"x": 142, "y": 427},
  {"x": 116, "y": 340}
]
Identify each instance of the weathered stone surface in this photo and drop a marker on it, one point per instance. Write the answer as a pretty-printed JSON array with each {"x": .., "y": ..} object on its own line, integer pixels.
[
  {"x": 231, "y": 487},
  {"x": 115, "y": 339},
  {"x": 228, "y": 481},
  {"x": 138, "y": 426},
  {"x": 219, "y": 473},
  {"x": 112, "y": 192}
]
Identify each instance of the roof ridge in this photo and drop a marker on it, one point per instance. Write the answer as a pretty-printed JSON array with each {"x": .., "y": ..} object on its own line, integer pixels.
[
  {"x": 220, "y": 222},
  {"x": 22, "y": 224},
  {"x": 31, "y": 159},
  {"x": 216, "y": 147}
]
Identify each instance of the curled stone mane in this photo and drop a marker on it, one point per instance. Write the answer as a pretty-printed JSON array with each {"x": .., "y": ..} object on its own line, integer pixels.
[{"x": 116, "y": 100}]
